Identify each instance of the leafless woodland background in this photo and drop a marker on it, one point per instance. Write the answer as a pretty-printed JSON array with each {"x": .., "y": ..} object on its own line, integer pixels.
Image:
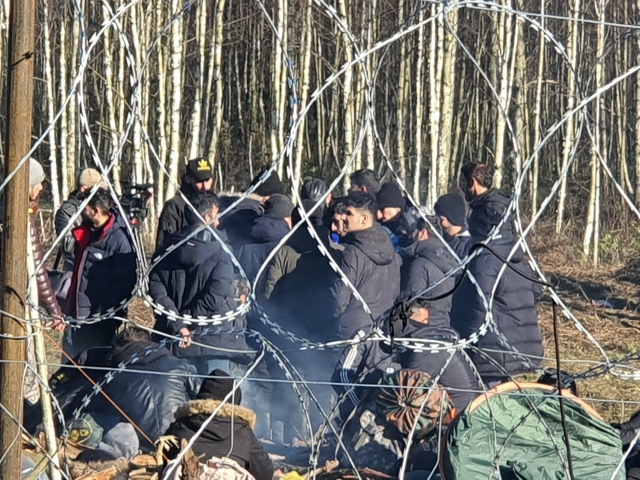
[{"x": 225, "y": 78}]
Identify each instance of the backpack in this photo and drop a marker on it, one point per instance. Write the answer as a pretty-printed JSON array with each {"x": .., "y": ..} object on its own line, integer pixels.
[{"x": 376, "y": 434}]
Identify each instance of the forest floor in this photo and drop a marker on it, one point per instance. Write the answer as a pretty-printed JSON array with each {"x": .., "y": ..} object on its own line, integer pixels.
[{"x": 616, "y": 327}]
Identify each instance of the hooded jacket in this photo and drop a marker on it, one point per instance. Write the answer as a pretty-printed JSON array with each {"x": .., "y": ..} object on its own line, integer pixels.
[
  {"x": 237, "y": 223},
  {"x": 460, "y": 243},
  {"x": 514, "y": 311},
  {"x": 373, "y": 267},
  {"x": 229, "y": 434},
  {"x": 148, "y": 398},
  {"x": 172, "y": 218},
  {"x": 457, "y": 377},
  {"x": 104, "y": 258},
  {"x": 197, "y": 279},
  {"x": 62, "y": 219},
  {"x": 426, "y": 263},
  {"x": 266, "y": 233},
  {"x": 486, "y": 211}
]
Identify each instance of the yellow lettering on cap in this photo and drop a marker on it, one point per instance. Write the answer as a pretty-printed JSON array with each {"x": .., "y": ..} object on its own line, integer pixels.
[{"x": 203, "y": 166}]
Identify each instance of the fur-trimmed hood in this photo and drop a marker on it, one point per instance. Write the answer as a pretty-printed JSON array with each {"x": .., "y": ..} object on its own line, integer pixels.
[
  {"x": 207, "y": 407},
  {"x": 236, "y": 195}
]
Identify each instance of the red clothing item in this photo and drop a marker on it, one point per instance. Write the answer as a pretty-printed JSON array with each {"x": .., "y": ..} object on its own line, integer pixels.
[{"x": 83, "y": 235}]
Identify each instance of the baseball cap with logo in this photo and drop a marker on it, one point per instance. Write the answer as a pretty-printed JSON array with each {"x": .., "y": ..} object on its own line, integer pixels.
[{"x": 200, "y": 169}]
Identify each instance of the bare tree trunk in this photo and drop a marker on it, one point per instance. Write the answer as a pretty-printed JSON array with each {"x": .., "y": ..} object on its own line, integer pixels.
[
  {"x": 51, "y": 106},
  {"x": 401, "y": 149},
  {"x": 418, "y": 106},
  {"x": 569, "y": 136},
  {"x": 305, "y": 68},
  {"x": 637, "y": 126},
  {"x": 435, "y": 64},
  {"x": 108, "y": 95},
  {"x": 218, "y": 106},
  {"x": 176, "y": 98},
  {"x": 138, "y": 154},
  {"x": 535, "y": 172},
  {"x": 347, "y": 102},
  {"x": 161, "y": 112},
  {"x": 196, "y": 116},
  {"x": 67, "y": 185}
]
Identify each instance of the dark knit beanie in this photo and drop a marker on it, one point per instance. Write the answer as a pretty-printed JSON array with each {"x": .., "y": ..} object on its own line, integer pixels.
[
  {"x": 390, "y": 196},
  {"x": 315, "y": 218},
  {"x": 451, "y": 206},
  {"x": 219, "y": 387},
  {"x": 270, "y": 186},
  {"x": 278, "y": 206}
]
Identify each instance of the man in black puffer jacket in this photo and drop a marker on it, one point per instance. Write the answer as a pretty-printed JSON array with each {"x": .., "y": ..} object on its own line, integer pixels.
[
  {"x": 513, "y": 305},
  {"x": 197, "y": 178},
  {"x": 229, "y": 434},
  {"x": 266, "y": 233},
  {"x": 426, "y": 262},
  {"x": 485, "y": 202},
  {"x": 104, "y": 275},
  {"x": 370, "y": 263},
  {"x": 196, "y": 279},
  {"x": 149, "y": 396}
]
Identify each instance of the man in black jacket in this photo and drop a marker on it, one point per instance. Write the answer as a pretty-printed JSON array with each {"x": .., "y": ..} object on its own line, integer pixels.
[
  {"x": 87, "y": 179},
  {"x": 149, "y": 394},
  {"x": 365, "y": 180},
  {"x": 487, "y": 204},
  {"x": 104, "y": 274},
  {"x": 391, "y": 204},
  {"x": 229, "y": 434},
  {"x": 197, "y": 178},
  {"x": 426, "y": 262},
  {"x": 370, "y": 263},
  {"x": 266, "y": 233},
  {"x": 453, "y": 218},
  {"x": 511, "y": 298},
  {"x": 197, "y": 279}
]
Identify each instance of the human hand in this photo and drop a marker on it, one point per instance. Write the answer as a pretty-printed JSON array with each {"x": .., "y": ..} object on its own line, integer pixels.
[
  {"x": 58, "y": 325},
  {"x": 186, "y": 338}
]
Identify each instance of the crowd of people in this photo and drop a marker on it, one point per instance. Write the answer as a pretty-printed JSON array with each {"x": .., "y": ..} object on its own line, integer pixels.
[{"x": 388, "y": 251}]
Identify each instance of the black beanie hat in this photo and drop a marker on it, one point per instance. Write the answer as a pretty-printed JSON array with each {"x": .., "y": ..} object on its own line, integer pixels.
[
  {"x": 390, "y": 196},
  {"x": 270, "y": 186},
  {"x": 451, "y": 206},
  {"x": 218, "y": 388},
  {"x": 278, "y": 206}
]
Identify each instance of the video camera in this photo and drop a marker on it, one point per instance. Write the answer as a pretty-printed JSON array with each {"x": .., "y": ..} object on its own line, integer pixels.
[{"x": 135, "y": 201}]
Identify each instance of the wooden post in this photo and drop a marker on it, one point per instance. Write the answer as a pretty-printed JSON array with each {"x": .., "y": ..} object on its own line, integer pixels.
[{"x": 14, "y": 251}]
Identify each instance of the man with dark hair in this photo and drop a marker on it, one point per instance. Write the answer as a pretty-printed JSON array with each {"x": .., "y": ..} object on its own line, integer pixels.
[
  {"x": 370, "y": 263},
  {"x": 337, "y": 215},
  {"x": 270, "y": 186},
  {"x": 198, "y": 177},
  {"x": 196, "y": 279},
  {"x": 150, "y": 395},
  {"x": 511, "y": 297},
  {"x": 487, "y": 204},
  {"x": 451, "y": 210},
  {"x": 266, "y": 233},
  {"x": 365, "y": 180},
  {"x": 426, "y": 262},
  {"x": 104, "y": 274}
]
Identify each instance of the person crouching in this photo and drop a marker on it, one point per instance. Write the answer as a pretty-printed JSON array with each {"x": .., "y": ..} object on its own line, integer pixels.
[{"x": 229, "y": 434}]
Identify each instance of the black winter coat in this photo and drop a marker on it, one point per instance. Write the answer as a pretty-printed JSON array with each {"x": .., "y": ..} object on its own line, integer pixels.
[
  {"x": 149, "y": 399},
  {"x": 373, "y": 267},
  {"x": 172, "y": 218},
  {"x": 486, "y": 211},
  {"x": 457, "y": 377},
  {"x": 105, "y": 271},
  {"x": 62, "y": 219},
  {"x": 229, "y": 434},
  {"x": 425, "y": 264},
  {"x": 514, "y": 311},
  {"x": 196, "y": 279},
  {"x": 266, "y": 233},
  {"x": 460, "y": 243}
]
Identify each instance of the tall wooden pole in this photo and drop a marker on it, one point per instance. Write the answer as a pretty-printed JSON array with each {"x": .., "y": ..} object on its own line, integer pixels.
[{"x": 14, "y": 249}]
